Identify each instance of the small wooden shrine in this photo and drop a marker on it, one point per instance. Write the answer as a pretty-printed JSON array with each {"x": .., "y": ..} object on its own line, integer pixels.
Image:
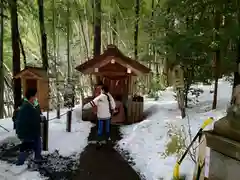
[
  {"x": 35, "y": 77},
  {"x": 118, "y": 72}
]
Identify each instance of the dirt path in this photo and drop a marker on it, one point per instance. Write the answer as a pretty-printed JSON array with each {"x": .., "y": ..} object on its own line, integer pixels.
[{"x": 105, "y": 163}]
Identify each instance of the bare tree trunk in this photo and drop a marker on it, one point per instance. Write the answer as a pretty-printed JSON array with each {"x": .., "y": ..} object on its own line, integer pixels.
[
  {"x": 188, "y": 80},
  {"x": 68, "y": 42},
  {"x": 22, "y": 50},
  {"x": 180, "y": 100},
  {"x": 151, "y": 47},
  {"x": 168, "y": 25},
  {"x": 97, "y": 30},
  {"x": 70, "y": 98},
  {"x": 1, "y": 66},
  {"x": 114, "y": 30},
  {"x": 82, "y": 30},
  {"x": 237, "y": 72},
  {"x": 55, "y": 58},
  {"x": 86, "y": 40},
  {"x": 109, "y": 39},
  {"x": 152, "y": 63},
  {"x": 137, "y": 11},
  {"x": 87, "y": 32},
  {"x": 43, "y": 35},
  {"x": 16, "y": 52},
  {"x": 216, "y": 63}
]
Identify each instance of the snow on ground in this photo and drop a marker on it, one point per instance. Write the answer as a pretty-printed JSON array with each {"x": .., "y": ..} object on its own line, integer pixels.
[
  {"x": 146, "y": 141},
  {"x": 66, "y": 143}
]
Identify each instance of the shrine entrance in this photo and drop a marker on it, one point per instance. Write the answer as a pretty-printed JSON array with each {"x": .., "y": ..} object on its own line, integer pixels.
[
  {"x": 31, "y": 83},
  {"x": 117, "y": 72},
  {"x": 118, "y": 86}
]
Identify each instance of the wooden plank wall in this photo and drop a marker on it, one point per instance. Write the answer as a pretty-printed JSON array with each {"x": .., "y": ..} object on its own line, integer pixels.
[
  {"x": 43, "y": 94},
  {"x": 135, "y": 111}
]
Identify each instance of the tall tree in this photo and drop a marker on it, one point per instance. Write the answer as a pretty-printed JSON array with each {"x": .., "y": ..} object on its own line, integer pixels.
[
  {"x": 16, "y": 52},
  {"x": 137, "y": 11},
  {"x": 237, "y": 71},
  {"x": 151, "y": 46},
  {"x": 114, "y": 30},
  {"x": 69, "y": 96},
  {"x": 1, "y": 64},
  {"x": 43, "y": 35},
  {"x": 97, "y": 27},
  {"x": 68, "y": 42},
  {"x": 97, "y": 30},
  {"x": 55, "y": 57},
  {"x": 216, "y": 58}
]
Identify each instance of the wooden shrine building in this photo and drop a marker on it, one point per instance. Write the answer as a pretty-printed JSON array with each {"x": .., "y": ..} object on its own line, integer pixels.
[
  {"x": 118, "y": 72},
  {"x": 35, "y": 77}
]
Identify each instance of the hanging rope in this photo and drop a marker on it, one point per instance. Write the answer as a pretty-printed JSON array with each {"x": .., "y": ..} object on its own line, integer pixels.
[
  {"x": 60, "y": 115},
  {"x": 4, "y": 128},
  {"x": 48, "y": 120}
]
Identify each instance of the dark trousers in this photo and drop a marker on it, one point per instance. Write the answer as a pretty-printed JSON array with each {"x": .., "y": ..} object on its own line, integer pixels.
[
  {"x": 101, "y": 124},
  {"x": 28, "y": 145},
  {"x": 14, "y": 124}
]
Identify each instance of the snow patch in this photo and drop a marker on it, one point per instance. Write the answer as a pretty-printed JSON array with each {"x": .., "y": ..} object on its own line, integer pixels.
[
  {"x": 146, "y": 141},
  {"x": 67, "y": 144}
]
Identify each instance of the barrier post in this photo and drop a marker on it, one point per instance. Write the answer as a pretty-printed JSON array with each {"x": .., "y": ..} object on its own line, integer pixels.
[
  {"x": 69, "y": 121},
  {"x": 45, "y": 127}
]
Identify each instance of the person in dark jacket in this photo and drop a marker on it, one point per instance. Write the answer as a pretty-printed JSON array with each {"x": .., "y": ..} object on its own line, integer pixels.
[
  {"x": 15, "y": 113},
  {"x": 35, "y": 104},
  {"x": 28, "y": 128}
]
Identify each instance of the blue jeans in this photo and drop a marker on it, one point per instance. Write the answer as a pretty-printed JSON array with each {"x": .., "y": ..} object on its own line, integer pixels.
[
  {"x": 101, "y": 127},
  {"x": 30, "y": 145}
]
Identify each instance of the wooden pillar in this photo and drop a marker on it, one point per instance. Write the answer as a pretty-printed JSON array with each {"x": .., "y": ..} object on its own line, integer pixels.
[
  {"x": 23, "y": 86},
  {"x": 38, "y": 90},
  {"x": 130, "y": 85}
]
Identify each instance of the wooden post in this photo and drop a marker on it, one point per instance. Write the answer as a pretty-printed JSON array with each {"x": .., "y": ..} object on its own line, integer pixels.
[
  {"x": 69, "y": 121},
  {"x": 44, "y": 133},
  {"x": 179, "y": 87}
]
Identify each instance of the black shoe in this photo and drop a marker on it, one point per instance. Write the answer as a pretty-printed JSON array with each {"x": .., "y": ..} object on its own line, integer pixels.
[
  {"x": 40, "y": 160},
  {"x": 98, "y": 145}
]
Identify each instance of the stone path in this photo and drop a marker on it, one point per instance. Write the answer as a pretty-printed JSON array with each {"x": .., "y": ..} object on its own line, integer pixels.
[
  {"x": 102, "y": 164},
  {"x": 105, "y": 163}
]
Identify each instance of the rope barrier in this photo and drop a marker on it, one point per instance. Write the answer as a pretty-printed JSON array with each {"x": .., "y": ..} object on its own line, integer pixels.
[
  {"x": 60, "y": 115},
  {"x": 48, "y": 120},
  {"x": 4, "y": 128}
]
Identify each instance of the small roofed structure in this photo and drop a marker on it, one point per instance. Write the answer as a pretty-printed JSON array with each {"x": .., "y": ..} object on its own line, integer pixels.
[
  {"x": 117, "y": 71},
  {"x": 36, "y": 77},
  {"x": 111, "y": 55}
]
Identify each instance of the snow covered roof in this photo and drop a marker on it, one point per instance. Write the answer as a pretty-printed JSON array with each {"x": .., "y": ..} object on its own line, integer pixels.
[{"x": 112, "y": 53}]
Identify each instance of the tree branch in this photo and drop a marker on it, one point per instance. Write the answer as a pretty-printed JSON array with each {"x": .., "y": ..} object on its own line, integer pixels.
[{"x": 23, "y": 51}]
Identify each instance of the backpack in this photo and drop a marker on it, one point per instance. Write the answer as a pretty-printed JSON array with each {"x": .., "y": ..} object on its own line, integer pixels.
[{"x": 109, "y": 105}]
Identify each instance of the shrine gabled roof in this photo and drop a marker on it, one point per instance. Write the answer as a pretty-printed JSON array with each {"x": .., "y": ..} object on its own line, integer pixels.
[
  {"x": 36, "y": 72},
  {"x": 112, "y": 52}
]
